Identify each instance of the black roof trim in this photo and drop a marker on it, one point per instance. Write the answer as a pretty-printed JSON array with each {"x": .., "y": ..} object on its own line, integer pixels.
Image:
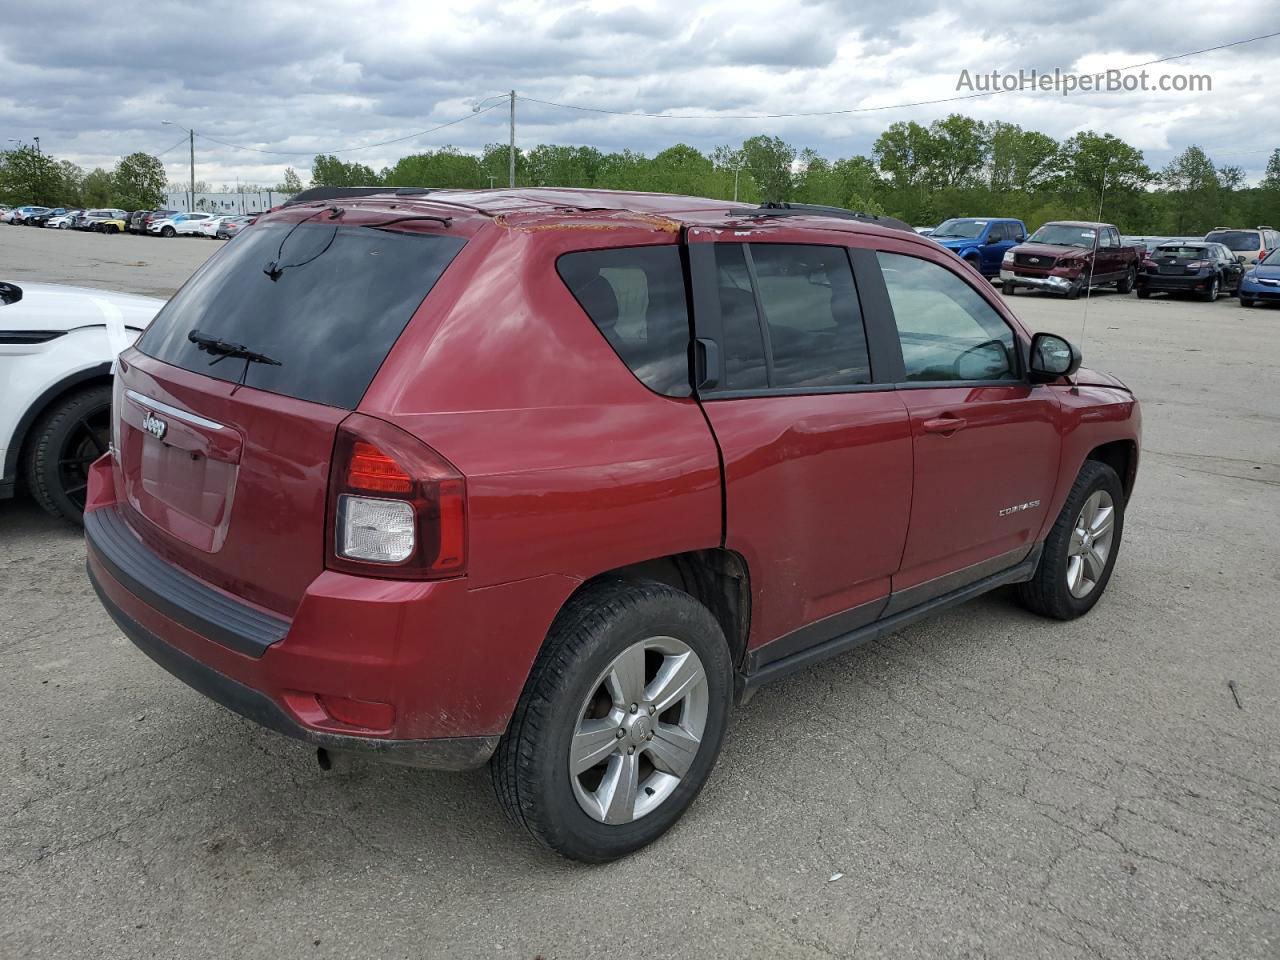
[{"x": 776, "y": 209}]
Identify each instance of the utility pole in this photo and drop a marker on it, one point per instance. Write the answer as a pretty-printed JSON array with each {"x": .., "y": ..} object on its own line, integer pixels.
[
  {"x": 512, "y": 156},
  {"x": 37, "y": 140},
  {"x": 193, "y": 169}
]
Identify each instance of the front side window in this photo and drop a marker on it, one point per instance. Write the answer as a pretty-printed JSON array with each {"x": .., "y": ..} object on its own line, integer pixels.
[
  {"x": 947, "y": 330},
  {"x": 636, "y": 298},
  {"x": 799, "y": 325}
]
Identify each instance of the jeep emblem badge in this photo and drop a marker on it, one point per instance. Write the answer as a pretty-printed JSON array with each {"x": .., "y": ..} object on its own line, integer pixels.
[{"x": 154, "y": 426}]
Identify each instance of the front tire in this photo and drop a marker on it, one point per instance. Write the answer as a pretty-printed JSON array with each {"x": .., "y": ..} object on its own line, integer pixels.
[
  {"x": 620, "y": 721},
  {"x": 73, "y": 433},
  {"x": 1081, "y": 549},
  {"x": 1246, "y": 302},
  {"x": 1010, "y": 288},
  {"x": 168, "y": 232}
]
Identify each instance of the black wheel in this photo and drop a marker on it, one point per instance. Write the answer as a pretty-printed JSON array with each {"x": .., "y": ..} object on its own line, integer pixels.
[
  {"x": 1127, "y": 284},
  {"x": 620, "y": 721},
  {"x": 1009, "y": 288},
  {"x": 1081, "y": 549},
  {"x": 1143, "y": 293},
  {"x": 168, "y": 232},
  {"x": 974, "y": 262},
  {"x": 1246, "y": 301},
  {"x": 69, "y": 436},
  {"x": 1074, "y": 291},
  {"x": 1211, "y": 294}
]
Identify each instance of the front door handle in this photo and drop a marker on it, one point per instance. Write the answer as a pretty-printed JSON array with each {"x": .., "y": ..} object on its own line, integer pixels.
[{"x": 944, "y": 425}]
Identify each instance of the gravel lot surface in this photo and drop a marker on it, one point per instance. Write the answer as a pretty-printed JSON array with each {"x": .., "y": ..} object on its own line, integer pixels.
[{"x": 987, "y": 784}]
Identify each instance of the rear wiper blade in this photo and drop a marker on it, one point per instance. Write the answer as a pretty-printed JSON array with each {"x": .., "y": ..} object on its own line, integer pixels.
[{"x": 222, "y": 349}]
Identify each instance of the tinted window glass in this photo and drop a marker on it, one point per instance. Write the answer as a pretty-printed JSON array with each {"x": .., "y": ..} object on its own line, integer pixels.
[
  {"x": 948, "y": 331},
  {"x": 743, "y": 347},
  {"x": 636, "y": 298},
  {"x": 812, "y": 314},
  {"x": 330, "y": 318}
]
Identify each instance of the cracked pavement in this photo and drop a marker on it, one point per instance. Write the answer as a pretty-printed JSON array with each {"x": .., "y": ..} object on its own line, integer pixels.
[{"x": 988, "y": 783}]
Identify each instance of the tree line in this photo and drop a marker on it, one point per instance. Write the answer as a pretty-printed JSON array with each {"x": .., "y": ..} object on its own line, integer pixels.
[{"x": 955, "y": 166}]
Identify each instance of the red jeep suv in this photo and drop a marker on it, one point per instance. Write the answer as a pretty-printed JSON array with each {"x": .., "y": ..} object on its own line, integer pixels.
[{"x": 550, "y": 479}]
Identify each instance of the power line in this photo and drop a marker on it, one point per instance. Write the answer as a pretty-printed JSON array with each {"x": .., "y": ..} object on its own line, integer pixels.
[
  {"x": 174, "y": 147},
  {"x": 893, "y": 106},
  {"x": 367, "y": 146}
]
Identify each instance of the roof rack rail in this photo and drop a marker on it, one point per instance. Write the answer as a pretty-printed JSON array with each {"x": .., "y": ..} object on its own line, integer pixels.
[
  {"x": 334, "y": 193},
  {"x": 783, "y": 209}
]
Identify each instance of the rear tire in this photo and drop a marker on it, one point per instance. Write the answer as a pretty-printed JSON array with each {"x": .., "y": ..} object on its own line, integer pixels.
[
  {"x": 1055, "y": 590},
  {"x": 1211, "y": 295},
  {"x": 66, "y": 439},
  {"x": 1144, "y": 293},
  {"x": 580, "y": 682},
  {"x": 1127, "y": 284}
]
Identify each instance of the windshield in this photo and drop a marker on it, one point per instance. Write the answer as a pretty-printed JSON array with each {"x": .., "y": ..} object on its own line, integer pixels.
[
  {"x": 1241, "y": 241},
  {"x": 960, "y": 228},
  {"x": 1062, "y": 235},
  {"x": 330, "y": 311}
]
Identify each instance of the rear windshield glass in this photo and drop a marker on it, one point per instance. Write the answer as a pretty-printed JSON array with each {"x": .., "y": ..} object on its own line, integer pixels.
[
  {"x": 340, "y": 298},
  {"x": 1239, "y": 240}
]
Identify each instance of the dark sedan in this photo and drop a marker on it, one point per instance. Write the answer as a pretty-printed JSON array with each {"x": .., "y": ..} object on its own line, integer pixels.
[
  {"x": 231, "y": 226},
  {"x": 1205, "y": 269}
]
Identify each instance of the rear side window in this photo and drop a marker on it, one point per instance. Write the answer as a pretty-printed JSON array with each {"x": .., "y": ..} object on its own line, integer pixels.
[
  {"x": 636, "y": 298},
  {"x": 343, "y": 295},
  {"x": 812, "y": 334}
]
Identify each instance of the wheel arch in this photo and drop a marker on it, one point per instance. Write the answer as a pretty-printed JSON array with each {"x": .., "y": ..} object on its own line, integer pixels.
[
  {"x": 90, "y": 376},
  {"x": 1122, "y": 457},
  {"x": 717, "y": 578}
]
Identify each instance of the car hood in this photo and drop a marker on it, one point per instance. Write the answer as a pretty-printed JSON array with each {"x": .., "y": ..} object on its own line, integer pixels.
[
  {"x": 1084, "y": 377},
  {"x": 1049, "y": 250},
  {"x": 52, "y": 306},
  {"x": 954, "y": 241}
]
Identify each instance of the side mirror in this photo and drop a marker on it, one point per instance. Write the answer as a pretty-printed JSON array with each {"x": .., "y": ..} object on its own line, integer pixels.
[
  {"x": 990, "y": 240},
  {"x": 1052, "y": 357},
  {"x": 1242, "y": 259}
]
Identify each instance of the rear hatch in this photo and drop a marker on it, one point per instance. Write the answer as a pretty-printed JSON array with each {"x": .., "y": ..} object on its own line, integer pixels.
[{"x": 224, "y": 458}]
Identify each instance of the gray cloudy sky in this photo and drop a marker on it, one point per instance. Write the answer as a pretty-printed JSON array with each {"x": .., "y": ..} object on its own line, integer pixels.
[{"x": 95, "y": 78}]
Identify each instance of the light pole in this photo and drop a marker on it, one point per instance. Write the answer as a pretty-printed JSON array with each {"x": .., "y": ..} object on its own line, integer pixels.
[
  {"x": 191, "y": 205},
  {"x": 512, "y": 156},
  {"x": 37, "y": 140}
]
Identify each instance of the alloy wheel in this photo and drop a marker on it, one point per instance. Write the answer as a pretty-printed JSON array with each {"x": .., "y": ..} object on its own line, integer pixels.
[
  {"x": 639, "y": 730},
  {"x": 1090, "y": 544},
  {"x": 85, "y": 442}
]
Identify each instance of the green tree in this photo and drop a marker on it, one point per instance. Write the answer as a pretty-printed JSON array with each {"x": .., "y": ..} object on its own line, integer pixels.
[
  {"x": 28, "y": 176},
  {"x": 1194, "y": 190},
  {"x": 329, "y": 171},
  {"x": 1019, "y": 160},
  {"x": 138, "y": 182},
  {"x": 905, "y": 154},
  {"x": 957, "y": 152},
  {"x": 769, "y": 161},
  {"x": 99, "y": 189},
  {"x": 291, "y": 184}
]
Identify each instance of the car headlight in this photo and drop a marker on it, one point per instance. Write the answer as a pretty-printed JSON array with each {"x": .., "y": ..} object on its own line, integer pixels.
[{"x": 1008, "y": 257}]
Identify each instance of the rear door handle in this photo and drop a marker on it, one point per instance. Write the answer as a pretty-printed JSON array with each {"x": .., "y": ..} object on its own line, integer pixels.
[{"x": 944, "y": 425}]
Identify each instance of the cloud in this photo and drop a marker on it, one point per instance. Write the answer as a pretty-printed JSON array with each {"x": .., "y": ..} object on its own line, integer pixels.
[{"x": 94, "y": 80}]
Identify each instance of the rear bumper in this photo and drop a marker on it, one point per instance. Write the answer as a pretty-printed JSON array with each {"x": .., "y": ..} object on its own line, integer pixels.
[
  {"x": 1173, "y": 284},
  {"x": 447, "y": 753}
]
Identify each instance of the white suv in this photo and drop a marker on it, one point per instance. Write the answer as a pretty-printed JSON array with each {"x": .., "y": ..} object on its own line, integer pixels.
[
  {"x": 184, "y": 223},
  {"x": 57, "y": 346}
]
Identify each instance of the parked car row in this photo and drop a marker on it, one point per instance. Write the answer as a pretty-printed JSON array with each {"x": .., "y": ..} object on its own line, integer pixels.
[{"x": 162, "y": 223}]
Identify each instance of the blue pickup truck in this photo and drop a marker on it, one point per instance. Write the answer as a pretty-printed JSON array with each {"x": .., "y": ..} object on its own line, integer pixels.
[{"x": 981, "y": 241}]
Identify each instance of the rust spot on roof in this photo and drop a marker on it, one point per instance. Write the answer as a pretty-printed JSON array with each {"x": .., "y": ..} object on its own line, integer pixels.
[{"x": 589, "y": 220}]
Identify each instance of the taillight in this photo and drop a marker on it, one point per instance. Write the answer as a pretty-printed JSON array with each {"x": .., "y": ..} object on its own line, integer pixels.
[{"x": 396, "y": 507}]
